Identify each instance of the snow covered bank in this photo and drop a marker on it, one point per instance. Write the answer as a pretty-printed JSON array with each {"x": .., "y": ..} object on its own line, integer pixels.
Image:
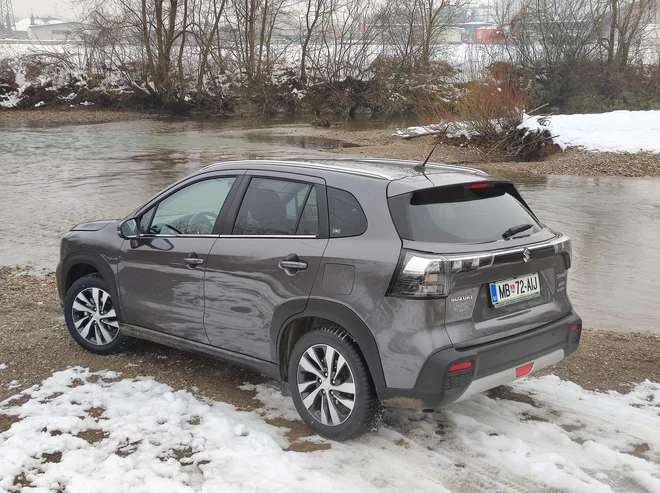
[
  {"x": 616, "y": 131},
  {"x": 92, "y": 432}
]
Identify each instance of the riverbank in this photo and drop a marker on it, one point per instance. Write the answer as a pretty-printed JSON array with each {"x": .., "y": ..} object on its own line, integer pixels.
[
  {"x": 35, "y": 343},
  {"x": 71, "y": 116},
  {"x": 379, "y": 142}
]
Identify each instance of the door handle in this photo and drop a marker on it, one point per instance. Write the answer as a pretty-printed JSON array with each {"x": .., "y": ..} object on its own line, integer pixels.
[
  {"x": 292, "y": 264},
  {"x": 193, "y": 260}
]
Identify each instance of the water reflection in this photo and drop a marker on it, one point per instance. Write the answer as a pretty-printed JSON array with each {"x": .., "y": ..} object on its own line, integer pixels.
[{"x": 56, "y": 176}]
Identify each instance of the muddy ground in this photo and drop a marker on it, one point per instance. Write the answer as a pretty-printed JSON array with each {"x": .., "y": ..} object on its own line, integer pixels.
[{"x": 34, "y": 343}]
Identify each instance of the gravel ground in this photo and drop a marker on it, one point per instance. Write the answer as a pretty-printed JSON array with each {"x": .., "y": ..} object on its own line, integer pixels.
[
  {"x": 35, "y": 343},
  {"x": 71, "y": 116}
]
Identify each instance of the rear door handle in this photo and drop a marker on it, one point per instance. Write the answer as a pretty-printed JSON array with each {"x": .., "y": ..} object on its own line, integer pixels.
[
  {"x": 292, "y": 264},
  {"x": 193, "y": 260}
]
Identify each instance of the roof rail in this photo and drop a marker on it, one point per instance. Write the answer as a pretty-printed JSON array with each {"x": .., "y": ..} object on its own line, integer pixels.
[
  {"x": 305, "y": 164},
  {"x": 414, "y": 163}
]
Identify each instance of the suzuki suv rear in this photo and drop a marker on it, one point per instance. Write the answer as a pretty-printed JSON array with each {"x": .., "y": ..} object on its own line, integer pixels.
[{"x": 360, "y": 282}]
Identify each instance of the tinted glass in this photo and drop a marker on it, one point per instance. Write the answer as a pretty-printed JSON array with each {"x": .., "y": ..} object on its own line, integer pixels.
[
  {"x": 309, "y": 221},
  {"x": 346, "y": 216},
  {"x": 460, "y": 215},
  {"x": 193, "y": 209},
  {"x": 271, "y": 207}
]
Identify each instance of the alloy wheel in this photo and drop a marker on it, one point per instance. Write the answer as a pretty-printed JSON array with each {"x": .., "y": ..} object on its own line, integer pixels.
[
  {"x": 94, "y": 316},
  {"x": 326, "y": 384}
]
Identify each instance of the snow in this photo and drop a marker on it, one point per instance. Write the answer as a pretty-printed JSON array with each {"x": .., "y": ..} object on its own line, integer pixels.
[
  {"x": 152, "y": 438},
  {"x": 3, "y": 366},
  {"x": 616, "y": 131}
]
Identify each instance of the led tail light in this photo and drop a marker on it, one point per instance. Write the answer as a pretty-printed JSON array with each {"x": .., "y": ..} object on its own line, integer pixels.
[{"x": 426, "y": 276}]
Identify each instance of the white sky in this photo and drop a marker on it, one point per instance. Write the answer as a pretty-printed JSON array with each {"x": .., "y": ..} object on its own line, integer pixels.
[{"x": 62, "y": 9}]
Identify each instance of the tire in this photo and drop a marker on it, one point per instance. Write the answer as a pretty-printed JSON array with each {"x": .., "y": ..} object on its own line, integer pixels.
[
  {"x": 325, "y": 407},
  {"x": 95, "y": 330}
]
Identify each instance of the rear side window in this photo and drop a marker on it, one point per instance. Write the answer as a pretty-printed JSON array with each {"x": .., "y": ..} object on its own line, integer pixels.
[
  {"x": 460, "y": 214},
  {"x": 277, "y": 207},
  {"x": 346, "y": 216}
]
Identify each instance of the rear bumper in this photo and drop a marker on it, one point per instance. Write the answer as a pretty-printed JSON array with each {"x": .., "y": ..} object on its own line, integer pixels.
[{"x": 492, "y": 364}]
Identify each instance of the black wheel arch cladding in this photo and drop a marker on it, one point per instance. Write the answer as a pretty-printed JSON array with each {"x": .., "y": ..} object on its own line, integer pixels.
[
  {"x": 103, "y": 268},
  {"x": 338, "y": 314}
]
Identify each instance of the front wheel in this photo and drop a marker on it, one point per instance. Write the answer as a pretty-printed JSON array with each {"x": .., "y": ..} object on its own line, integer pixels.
[
  {"x": 331, "y": 385},
  {"x": 91, "y": 318}
]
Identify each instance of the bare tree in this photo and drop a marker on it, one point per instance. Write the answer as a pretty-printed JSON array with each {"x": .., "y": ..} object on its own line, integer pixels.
[
  {"x": 627, "y": 21},
  {"x": 252, "y": 24},
  {"x": 413, "y": 28}
]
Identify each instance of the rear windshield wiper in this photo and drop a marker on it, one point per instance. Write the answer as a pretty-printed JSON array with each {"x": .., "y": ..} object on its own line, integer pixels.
[{"x": 514, "y": 230}]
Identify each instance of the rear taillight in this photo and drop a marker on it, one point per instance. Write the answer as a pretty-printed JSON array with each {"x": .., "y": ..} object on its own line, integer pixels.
[
  {"x": 563, "y": 246},
  {"x": 425, "y": 276}
]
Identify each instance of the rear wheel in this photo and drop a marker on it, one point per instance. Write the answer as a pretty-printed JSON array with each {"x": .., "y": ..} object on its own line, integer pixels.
[
  {"x": 91, "y": 317},
  {"x": 331, "y": 385}
]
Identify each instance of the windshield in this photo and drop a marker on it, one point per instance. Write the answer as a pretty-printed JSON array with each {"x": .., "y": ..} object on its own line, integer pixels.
[{"x": 461, "y": 214}]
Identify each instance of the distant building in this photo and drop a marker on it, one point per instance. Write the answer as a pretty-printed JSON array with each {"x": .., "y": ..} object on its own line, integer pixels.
[
  {"x": 47, "y": 29},
  {"x": 488, "y": 35}
]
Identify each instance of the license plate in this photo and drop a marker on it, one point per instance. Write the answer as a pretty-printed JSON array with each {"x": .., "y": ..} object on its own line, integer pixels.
[{"x": 514, "y": 290}]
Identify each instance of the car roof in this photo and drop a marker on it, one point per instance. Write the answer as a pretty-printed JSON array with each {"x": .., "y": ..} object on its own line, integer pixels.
[{"x": 404, "y": 173}]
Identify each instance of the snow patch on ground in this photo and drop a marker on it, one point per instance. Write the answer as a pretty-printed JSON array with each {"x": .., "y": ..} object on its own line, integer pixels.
[
  {"x": 140, "y": 435},
  {"x": 616, "y": 131},
  {"x": 3, "y": 366}
]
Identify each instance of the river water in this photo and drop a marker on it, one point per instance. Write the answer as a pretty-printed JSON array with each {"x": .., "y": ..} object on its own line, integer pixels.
[{"x": 52, "y": 177}]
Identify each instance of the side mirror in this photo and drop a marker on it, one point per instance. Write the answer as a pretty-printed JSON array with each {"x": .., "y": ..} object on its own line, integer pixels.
[{"x": 129, "y": 229}]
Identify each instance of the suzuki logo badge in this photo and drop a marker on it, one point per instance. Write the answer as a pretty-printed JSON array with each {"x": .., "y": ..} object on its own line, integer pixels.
[{"x": 526, "y": 255}]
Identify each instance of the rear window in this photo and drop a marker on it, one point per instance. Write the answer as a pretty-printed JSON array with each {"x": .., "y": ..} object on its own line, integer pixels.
[{"x": 461, "y": 215}]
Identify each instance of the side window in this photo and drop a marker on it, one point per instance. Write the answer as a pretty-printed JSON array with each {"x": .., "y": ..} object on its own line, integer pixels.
[
  {"x": 309, "y": 220},
  {"x": 272, "y": 207},
  {"x": 192, "y": 210},
  {"x": 145, "y": 220},
  {"x": 346, "y": 216}
]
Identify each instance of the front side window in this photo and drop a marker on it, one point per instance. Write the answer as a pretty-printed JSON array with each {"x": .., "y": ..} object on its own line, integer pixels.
[
  {"x": 192, "y": 210},
  {"x": 277, "y": 207}
]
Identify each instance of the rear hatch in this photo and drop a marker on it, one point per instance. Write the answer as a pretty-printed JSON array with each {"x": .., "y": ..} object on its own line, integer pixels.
[{"x": 480, "y": 250}]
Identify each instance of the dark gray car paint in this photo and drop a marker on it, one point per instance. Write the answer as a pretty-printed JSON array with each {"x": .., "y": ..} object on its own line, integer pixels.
[
  {"x": 171, "y": 295},
  {"x": 244, "y": 292}
]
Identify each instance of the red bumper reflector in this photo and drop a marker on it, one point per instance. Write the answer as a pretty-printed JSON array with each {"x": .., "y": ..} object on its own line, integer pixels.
[
  {"x": 479, "y": 185},
  {"x": 575, "y": 327},
  {"x": 460, "y": 366},
  {"x": 524, "y": 370}
]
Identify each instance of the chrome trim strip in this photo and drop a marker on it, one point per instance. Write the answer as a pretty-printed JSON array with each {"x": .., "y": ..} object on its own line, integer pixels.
[
  {"x": 509, "y": 375},
  {"x": 152, "y": 235},
  {"x": 498, "y": 253},
  {"x": 301, "y": 237}
]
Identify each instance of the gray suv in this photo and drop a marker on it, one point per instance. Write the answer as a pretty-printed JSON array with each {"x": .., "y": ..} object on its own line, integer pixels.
[{"x": 361, "y": 283}]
